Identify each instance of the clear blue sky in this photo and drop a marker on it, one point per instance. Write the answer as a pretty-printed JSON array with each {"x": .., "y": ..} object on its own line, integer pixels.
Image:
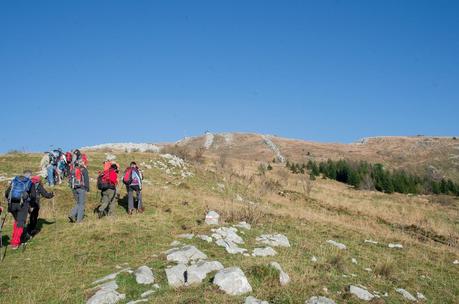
[{"x": 76, "y": 73}]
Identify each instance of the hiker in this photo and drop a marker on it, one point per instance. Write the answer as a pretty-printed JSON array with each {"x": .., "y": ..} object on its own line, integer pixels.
[
  {"x": 44, "y": 163},
  {"x": 78, "y": 156},
  {"x": 79, "y": 183},
  {"x": 18, "y": 196},
  {"x": 132, "y": 178},
  {"x": 106, "y": 183},
  {"x": 37, "y": 191}
]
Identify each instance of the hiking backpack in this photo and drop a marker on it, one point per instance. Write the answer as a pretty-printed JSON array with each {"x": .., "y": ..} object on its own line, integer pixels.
[
  {"x": 68, "y": 157},
  {"x": 103, "y": 181},
  {"x": 20, "y": 189},
  {"x": 127, "y": 179},
  {"x": 76, "y": 179}
]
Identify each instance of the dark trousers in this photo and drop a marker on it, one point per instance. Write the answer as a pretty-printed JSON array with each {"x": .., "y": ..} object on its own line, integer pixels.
[{"x": 33, "y": 218}]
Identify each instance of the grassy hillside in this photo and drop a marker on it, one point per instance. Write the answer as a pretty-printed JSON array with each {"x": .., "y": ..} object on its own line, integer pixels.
[{"x": 60, "y": 263}]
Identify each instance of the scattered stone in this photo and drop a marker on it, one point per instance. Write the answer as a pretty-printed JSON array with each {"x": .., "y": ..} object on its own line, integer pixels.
[
  {"x": 252, "y": 300},
  {"x": 228, "y": 234},
  {"x": 371, "y": 242},
  {"x": 212, "y": 218},
  {"x": 144, "y": 275},
  {"x": 319, "y": 300},
  {"x": 337, "y": 245},
  {"x": 361, "y": 293},
  {"x": 399, "y": 246},
  {"x": 230, "y": 247},
  {"x": 354, "y": 261},
  {"x": 263, "y": 252},
  {"x": 232, "y": 281},
  {"x": 313, "y": 259},
  {"x": 368, "y": 269},
  {"x": 243, "y": 225},
  {"x": 405, "y": 294},
  {"x": 107, "y": 294},
  {"x": 420, "y": 296},
  {"x": 111, "y": 276},
  {"x": 239, "y": 198},
  {"x": 204, "y": 237},
  {"x": 456, "y": 262},
  {"x": 176, "y": 275},
  {"x": 284, "y": 278},
  {"x": 175, "y": 243},
  {"x": 274, "y": 240},
  {"x": 185, "y": 254},
  {"x": 138, "y": 301},
  {"x": 187, "y": 236},
  {"x": 198, "y": 272},
  {"x": 147, "y": 293}
]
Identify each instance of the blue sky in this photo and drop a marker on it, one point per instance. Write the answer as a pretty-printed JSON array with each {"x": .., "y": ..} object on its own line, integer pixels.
[{"x": 76, "y": 73}]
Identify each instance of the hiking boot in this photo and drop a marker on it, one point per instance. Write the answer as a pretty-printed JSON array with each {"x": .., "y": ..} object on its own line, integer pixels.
[
  {"x": 141, "y": 210},
  {"x": 14, "y": 247},
  {"x": 72, "y": 219},
  {"x": 131, "y": 211}
]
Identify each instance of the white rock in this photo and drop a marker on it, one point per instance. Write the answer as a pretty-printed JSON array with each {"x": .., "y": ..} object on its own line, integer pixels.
[
  {"x": 198, "y": 272},
  {"x": 111, "y": 276},
  {"x": 274, "y": 240},
  {"x": 230, "y": 247},
  {"x": 176, "y": 275},
  {"x": 337, "y": 245},
  {"x": 361, "y": 293},
  {"x": 371, "y": 242},
  {"x": 232, "y": 281},
  {"x": 399, "y": 246},
  {"x": 106, "y": 294},
  {"x": 187, "y": 236},
  {"x": 129, "y": 147},
  {"x": 313, "y": 259},
  {"x": 243, "y": 225},
  {"x": 209, "y": 140},
  {"x": 175, "y": 243},
  {"x": 354, "y": 261},
  {"x": 144, "y": 275},
  {"x": 147, "y": 293},
  {"x": 263, "y": 252},
  {"x": 252, "y": 300},
  {"x": 284, "y": 278},
  {"x": 420, "y": 296},
  {"x": 319, "y": 300},
  {"x": 204, "y": 237},
  {"x": 212, "y": 218},
  {"x": 185, "y": 254},
  {"x": 368, "y": 269},
  {"x": 405, "y": 294},
  {"x": 228, "y": 234},
  {"x": 456, "y": 262},
  {"x": 138, "y": 301}
]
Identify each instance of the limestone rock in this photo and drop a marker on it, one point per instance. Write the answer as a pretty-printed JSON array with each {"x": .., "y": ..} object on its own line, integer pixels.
[
  {"x": 144, "y": 275},
  {"x": 204, "y": 237},
  {"x": 176, "y": 275},
  {"x": 319, "y": 300},
  {"x": 263, "y": 252},
  {"x": 111, "y": 276},
  {"x": 232, "y": 281},
  {"x": 243, "y": 225},
  {"x": 185, "y": 254},
  {"x": 284, "y": 278},
  {"x": 274, "y": 240},
  {"x": 252, "y": 300},
  {"x": 212, "y": 218},
  {"x": 228, "y": 234},
  {"x": 361, "y": 293},
  {"x": 405, "y": 294},
  {"x": 106, "y": 294},
  {"x": 230, "y": 247},
  {"x": 198, "y": 272},
  {"x": 337, "y": 245},
  {"x": 398, "y": 246}
]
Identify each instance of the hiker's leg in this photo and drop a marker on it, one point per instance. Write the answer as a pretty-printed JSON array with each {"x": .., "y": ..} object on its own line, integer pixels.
[
  {"x": 19, "y": 223},
  {"x": 33, "y": 220},
  {"x": 74, "y": 211},
  {"x": 130, "y": 199},
  {"x": 50, "y": 172},
  {"x": 139, "y": 199},
  {"x": 81, "y": 202},
  {"x": 105, "y": 201},
  {"x": 112, "y": 201}
]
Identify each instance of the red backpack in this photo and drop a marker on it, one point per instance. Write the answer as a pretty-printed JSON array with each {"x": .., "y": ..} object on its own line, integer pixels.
[
  {"x": 127, "y": 179},
  {"x": 77, "y": 180},
  {"x": 104, "y": 182}
]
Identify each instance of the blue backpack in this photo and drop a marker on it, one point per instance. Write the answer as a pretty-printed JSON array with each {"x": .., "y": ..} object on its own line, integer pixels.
[{"x": 19, "y": 188}]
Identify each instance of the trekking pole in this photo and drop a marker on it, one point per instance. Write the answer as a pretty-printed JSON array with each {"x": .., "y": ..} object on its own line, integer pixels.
[{"x": 1, "y": 237}]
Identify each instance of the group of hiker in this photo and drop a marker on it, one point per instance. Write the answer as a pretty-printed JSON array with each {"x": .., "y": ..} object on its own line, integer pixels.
[{"x": 24, "y": 192}]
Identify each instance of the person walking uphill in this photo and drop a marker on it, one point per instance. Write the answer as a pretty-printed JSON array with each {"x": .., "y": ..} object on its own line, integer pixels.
[
  {"x": 133, "y": 181},
  {"x": 79, "y": 182},
  {"x": 18, "y": 195},
  {"x": 37, "y": 191},
  {"x": 106, "y": 183}
]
